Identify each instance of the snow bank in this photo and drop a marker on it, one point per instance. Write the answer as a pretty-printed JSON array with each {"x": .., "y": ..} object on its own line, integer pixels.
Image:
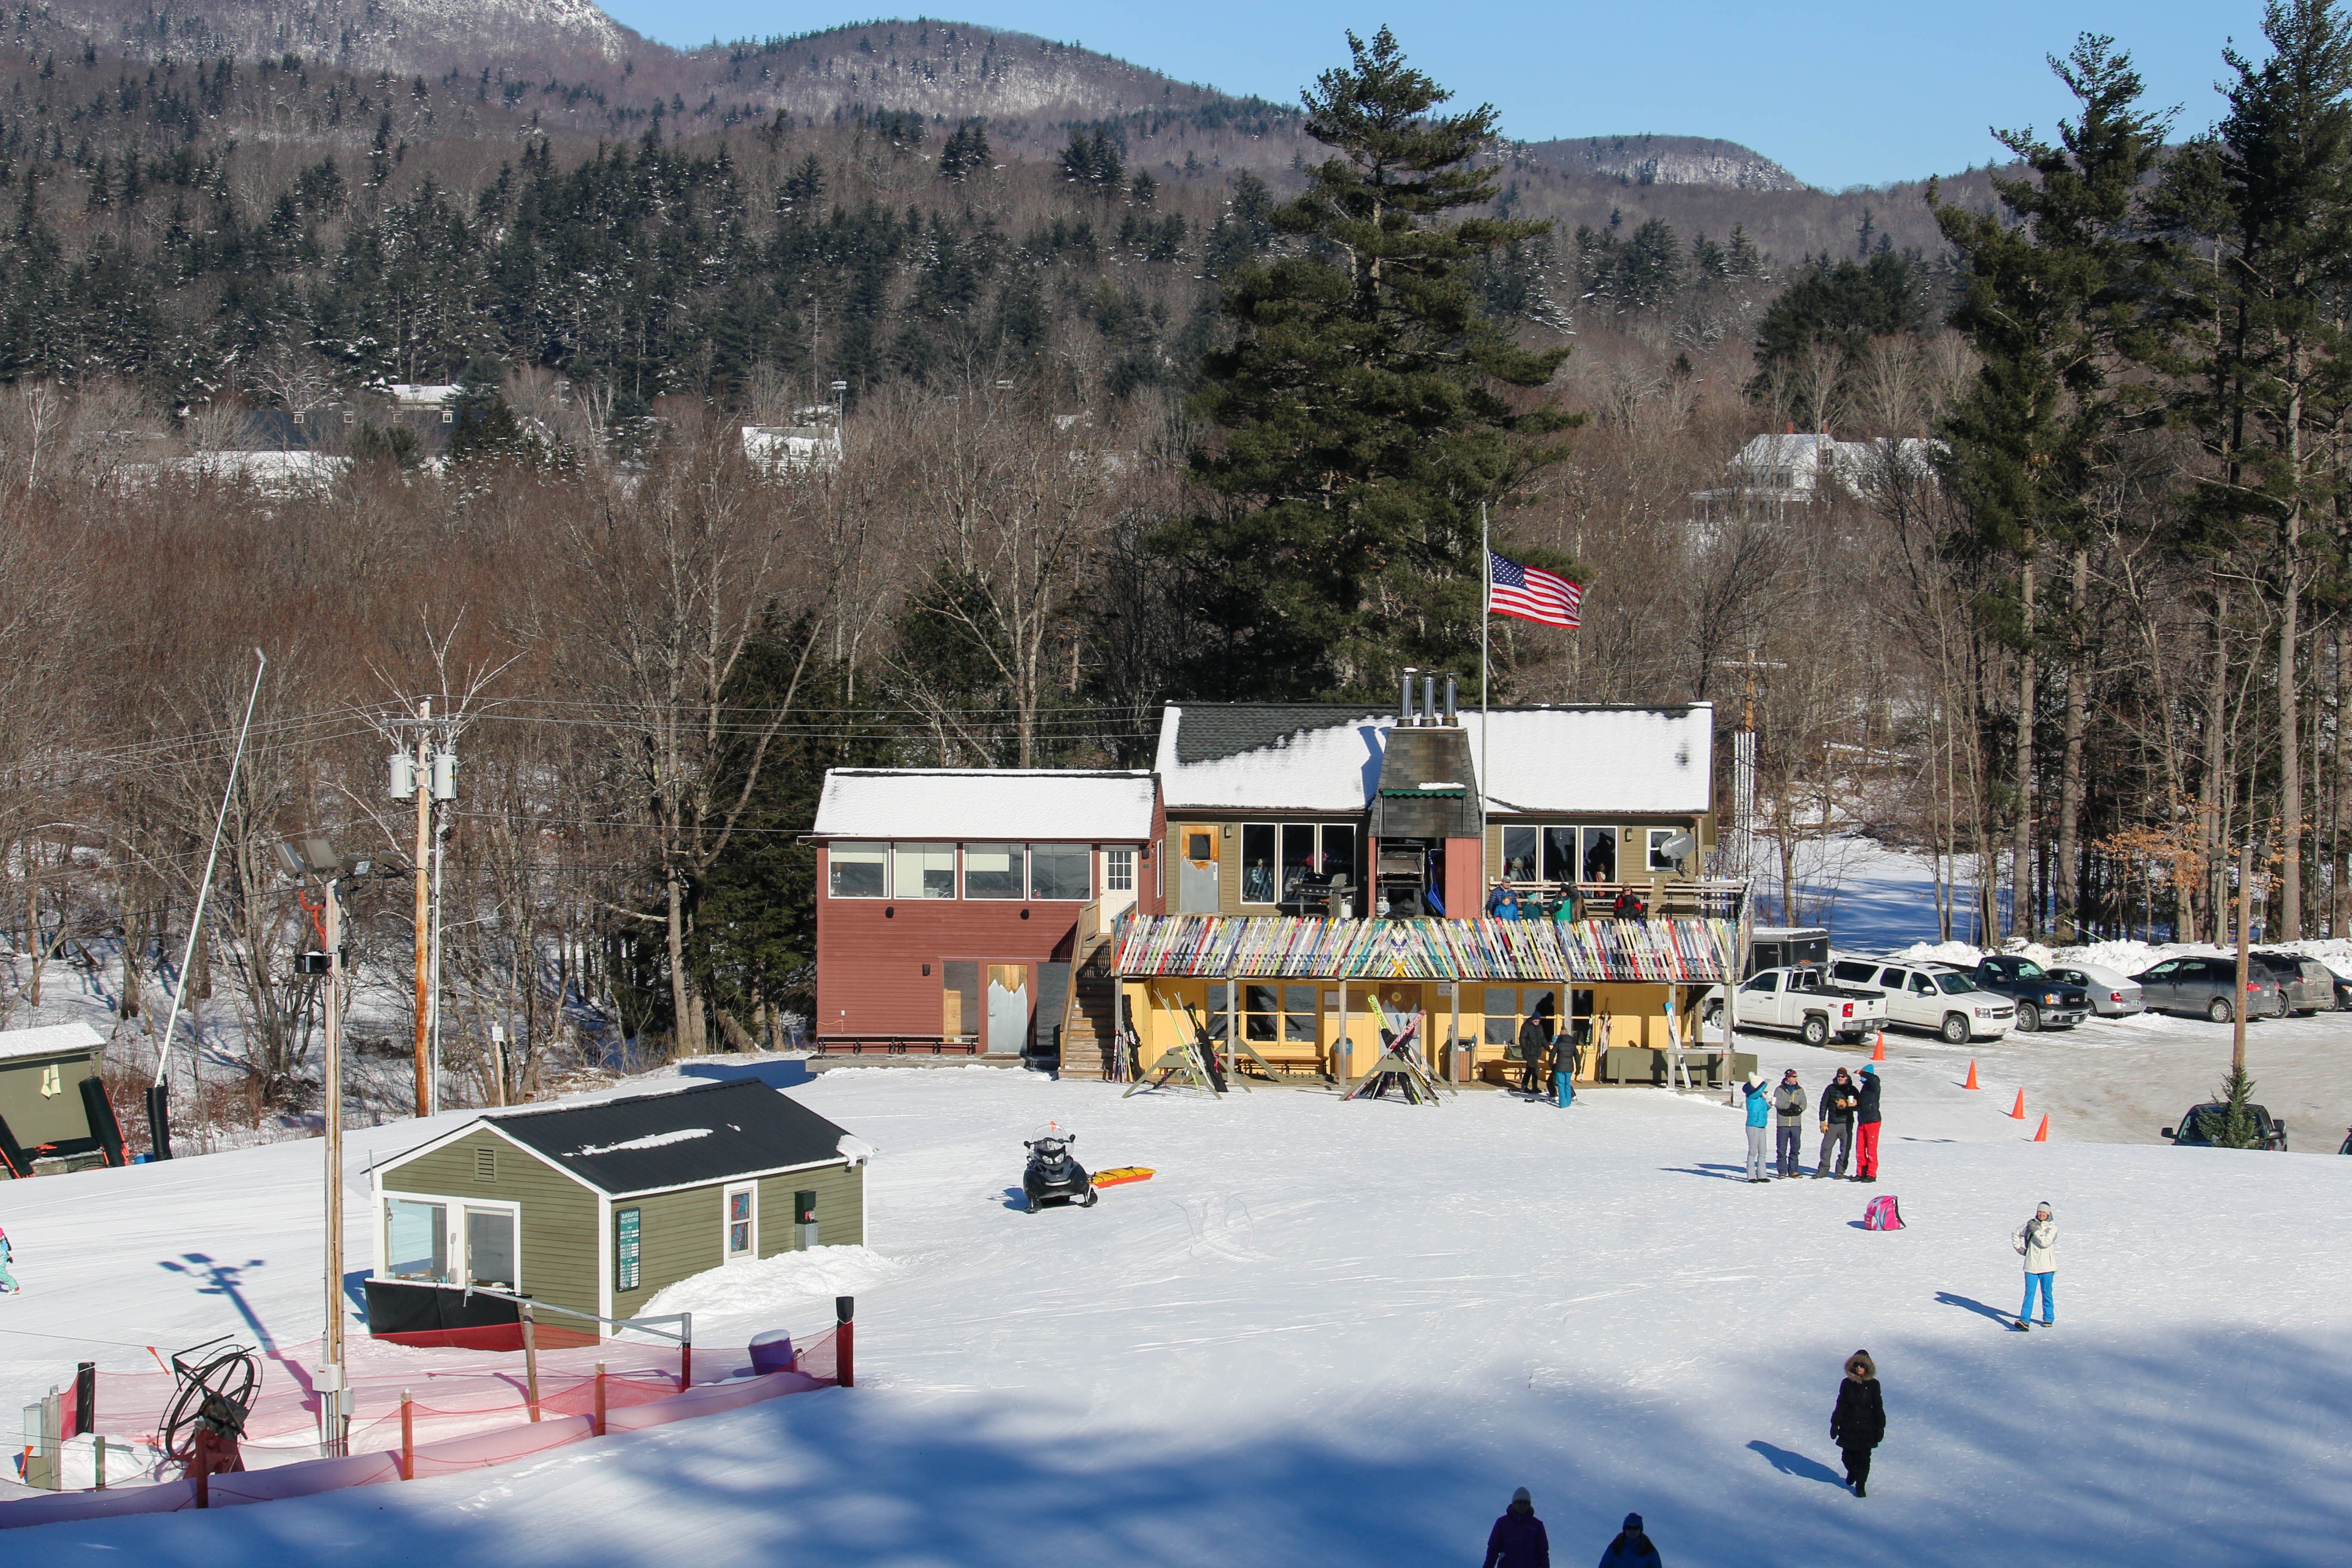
[{"x": 786, "y": 1282}]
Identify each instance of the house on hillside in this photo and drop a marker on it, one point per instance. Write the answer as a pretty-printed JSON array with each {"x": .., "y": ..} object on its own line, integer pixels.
[
  {"x": 597, "y": 1207},
  {"x": 951, "y": 902},
  {"x": 1801, "y": 468},
  {"x": 1281, "y": 870}
]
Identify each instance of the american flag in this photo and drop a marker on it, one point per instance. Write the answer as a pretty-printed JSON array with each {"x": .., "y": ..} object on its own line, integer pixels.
[{"x": 1532, "y": 593}]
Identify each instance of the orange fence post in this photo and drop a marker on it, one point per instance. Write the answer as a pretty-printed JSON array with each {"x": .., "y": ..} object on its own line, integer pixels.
[
  {"x": 600, "y": 1399},
  {"x": 844, "y": 1343},
  {"x": 407, "y": 1439},
  {"x": 686, "y": 1350}
]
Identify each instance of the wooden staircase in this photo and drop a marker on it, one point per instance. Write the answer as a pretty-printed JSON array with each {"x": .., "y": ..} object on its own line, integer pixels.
[{"x": 1088, "y": 1012}]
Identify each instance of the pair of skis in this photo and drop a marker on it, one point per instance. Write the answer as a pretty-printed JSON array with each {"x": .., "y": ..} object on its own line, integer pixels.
[{"x": 1397, "y": 1065}]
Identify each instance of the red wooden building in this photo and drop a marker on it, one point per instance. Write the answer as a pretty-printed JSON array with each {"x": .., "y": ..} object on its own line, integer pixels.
[{"x": 949, "y": 899}]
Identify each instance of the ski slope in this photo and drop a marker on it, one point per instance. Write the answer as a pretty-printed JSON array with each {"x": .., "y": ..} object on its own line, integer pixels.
[{"x": 1330, "y": 1332}]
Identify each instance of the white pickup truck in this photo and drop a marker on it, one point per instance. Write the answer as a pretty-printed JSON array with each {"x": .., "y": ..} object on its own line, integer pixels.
[{"x": 1804, "y": 1000}]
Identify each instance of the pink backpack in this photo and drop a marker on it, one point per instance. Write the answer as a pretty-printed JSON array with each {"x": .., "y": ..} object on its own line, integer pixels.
[{"x": 1883, "y": 1213}]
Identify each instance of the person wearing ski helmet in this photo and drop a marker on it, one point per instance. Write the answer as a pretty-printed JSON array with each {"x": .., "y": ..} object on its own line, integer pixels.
[
  {"x": 1866, "y": 1125},
  {"x": 1838, "y": 1103},
  {"x": 1759, "y": 1125},
  {"x": 2037, "y": 1240},
  {"x": 1518, "y": 1539},
  {"x": 1632, "y": 1548},
  {"x": 1859, "y": 1422}
]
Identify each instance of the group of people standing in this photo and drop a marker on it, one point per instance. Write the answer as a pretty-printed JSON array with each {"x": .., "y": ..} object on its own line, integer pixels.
[
  {"x": 1517, "y": 1540},
  {"x": 1848, "y": 1112}
]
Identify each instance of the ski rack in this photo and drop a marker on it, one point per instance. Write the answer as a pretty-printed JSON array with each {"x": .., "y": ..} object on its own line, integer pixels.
[
  {"x": 1194, "y": 1060},
  {"x": 1397, "y": 1065}
]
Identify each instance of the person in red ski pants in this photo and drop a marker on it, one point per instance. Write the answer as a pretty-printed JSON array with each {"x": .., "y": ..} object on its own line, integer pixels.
[{"x": 1866, "y": 1126}]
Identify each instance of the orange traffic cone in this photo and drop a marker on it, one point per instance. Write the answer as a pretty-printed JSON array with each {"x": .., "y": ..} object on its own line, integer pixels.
[
  {"x": 2017, "y": 1113},
  {"x": 1972, "y": 1077},
  {"x": 2041, "y": 1133},
  {"x": 1878, "y": 1053}
]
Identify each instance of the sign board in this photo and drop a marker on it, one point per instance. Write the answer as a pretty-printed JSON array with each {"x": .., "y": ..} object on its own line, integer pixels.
[{"x": 625, "y": 1249}]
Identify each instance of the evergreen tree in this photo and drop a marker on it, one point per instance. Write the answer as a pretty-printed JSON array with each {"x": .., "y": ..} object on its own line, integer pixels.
[
  {"x": 2261, "y": 212},
  {"x": 2237, "y": 1127},
  {"x": 2053, "y": 289},
  {"x": 1361, "y": 405},
  {"x": 1834, "y": 307}
]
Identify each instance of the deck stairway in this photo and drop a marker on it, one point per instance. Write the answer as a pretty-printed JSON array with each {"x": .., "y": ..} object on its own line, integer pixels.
[{"x": 1088, "y": 1010}]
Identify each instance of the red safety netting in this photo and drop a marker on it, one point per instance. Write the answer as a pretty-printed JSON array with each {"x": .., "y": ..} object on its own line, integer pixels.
[{"x": 452, "y": 1392}]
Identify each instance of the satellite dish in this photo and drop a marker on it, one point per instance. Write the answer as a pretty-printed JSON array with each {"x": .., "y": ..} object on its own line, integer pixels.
[{"x": 1679, "y": 846}]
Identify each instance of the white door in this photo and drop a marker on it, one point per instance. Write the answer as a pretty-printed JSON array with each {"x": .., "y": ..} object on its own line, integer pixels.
[
  {"x": 1116, "y": 880},
  {"x": 741, "y": 1241}
]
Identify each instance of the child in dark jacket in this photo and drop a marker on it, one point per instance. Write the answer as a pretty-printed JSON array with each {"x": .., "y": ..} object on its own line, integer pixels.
[
  {"x": 1518, "y": 1539},
  {"x": 1859, "y": 1422},
  {"x": 1632, "y": 1548}
]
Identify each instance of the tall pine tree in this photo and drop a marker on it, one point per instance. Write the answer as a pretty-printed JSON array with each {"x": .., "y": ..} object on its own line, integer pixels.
[{"x": 1362, "y": 405}]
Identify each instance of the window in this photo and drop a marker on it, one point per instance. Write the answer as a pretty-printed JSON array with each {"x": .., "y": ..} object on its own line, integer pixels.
[
  {"x": 1257, "y": 863},
  {"x": 922, "y": 870},
  {"x": 1521, "y": 1018},
  {"x": 1118, "y": 870},
  {"x": 1957, "y": 984},
  {"x": 1213, "y": 1012},
  {"x": 1559, "y": 854},
  {"x": 1260, "y": 1009},
  {"x": 1298, "y": 857},
  {"x": 1199, "y": 848},
  {"x": 1060, "y": 871},
  {"x": 416, "y": 1239},
  {"x": 993, "y": 871},
  {"x": 1340, "y": 849},
  {"x": 1923, "y": 986},
  {"x": 1859, "y": 974},
  {"x": 53, "y": 1080},
  {"x": 1764, "y": 984},
  {"x": 1299, "y": 1015},
  {"x": 859, "y": 870},
  {"x": 1502, "y": 1009},
  {"x": 1522, "y": 858},
  {"x": 1659, "y": 859},
  {"x": 490, "y": 1247},
  {"x": 628, "y": 1234},
  {"x": 742, "y": 1209},
  {"x": 1600, "y": 855}
]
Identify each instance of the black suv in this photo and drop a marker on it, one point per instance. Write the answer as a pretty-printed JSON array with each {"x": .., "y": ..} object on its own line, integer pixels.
[
  {"x": 2043, "y": 1002},
  {"x": 2203, "y": 1124}
]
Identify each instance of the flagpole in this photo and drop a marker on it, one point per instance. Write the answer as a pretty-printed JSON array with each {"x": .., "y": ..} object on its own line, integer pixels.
[{"x": 1486, "y": 718}]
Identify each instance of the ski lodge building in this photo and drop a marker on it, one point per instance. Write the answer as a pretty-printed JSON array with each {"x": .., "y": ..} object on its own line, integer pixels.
[{"x": 1281, "y": 875}]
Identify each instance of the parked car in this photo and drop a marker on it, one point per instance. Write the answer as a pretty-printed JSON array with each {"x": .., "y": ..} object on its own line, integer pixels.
[
  {"x": 2202, "y": 1125},
  {"x": 1804, "y": 1000},
  {"x": 2305, "y": 984},
  {"x": 2112, "y": 996},
  {"x": 2208, "y": 985},
  {"x": 1924, "y": 996},
  {"x": 2042, "y": 1001}
]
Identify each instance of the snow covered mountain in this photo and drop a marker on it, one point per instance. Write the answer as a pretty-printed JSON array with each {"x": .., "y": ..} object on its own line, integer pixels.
[
  {"x": 1667, "y": 161},
  {"x": 404, "y": 35}
]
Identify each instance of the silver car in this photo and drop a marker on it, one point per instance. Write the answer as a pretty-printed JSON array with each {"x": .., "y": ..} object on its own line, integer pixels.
[
  {"x": 2210, "y": 985},
  {"x": 2112, "y": 994},
  {"x": 2306, "y": 984}
]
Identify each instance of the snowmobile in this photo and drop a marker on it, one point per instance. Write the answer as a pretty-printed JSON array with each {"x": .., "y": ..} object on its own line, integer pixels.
[{"x": 1054, "y": 1176}]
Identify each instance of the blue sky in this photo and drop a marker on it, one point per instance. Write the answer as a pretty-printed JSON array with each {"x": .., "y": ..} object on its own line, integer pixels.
[{"x": 1841, "y": 93}]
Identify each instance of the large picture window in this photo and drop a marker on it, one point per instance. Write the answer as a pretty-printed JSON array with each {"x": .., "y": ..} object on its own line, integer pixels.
[
  {"x": 1600, "y": 855},
  {"x": 922, "y": 870},
  {"x": 859, "y": 870},
  {"x": 1060, "y": 871},
  {"x": 1522, "y": 854},
  {"x": 416, "y": 1239},
  {"x": 994, "y": 871},
  {"x": 1257, "y": 863}
]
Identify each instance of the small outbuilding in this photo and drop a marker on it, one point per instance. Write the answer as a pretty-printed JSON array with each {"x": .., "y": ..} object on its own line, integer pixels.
[
  {"x": 53, "y": 1104},
  {"x": 596, "y": 1207}
]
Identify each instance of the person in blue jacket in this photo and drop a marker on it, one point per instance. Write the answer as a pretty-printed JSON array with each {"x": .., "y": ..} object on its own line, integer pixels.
[
  {"x": 8, "y": 1285},
  {"x": 1759, "y": 1129},
  {"x": 1518, "y": 1539},
  {"x": 1632, "y": 1548}
]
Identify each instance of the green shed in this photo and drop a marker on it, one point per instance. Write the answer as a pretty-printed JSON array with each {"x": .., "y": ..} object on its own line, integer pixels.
[
  {"x": 53, "y": 1104},
  {"x": 596, "y": 1207}
]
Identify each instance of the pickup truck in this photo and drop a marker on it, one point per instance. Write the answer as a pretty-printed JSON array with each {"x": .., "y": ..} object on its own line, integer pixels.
[
  {"x": 2043, "y": 1001},
  {"x": 1804, "y": 999}
]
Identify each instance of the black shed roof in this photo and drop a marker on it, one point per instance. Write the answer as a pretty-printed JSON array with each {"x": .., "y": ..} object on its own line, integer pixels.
[{"x": 644, "y": 1143}]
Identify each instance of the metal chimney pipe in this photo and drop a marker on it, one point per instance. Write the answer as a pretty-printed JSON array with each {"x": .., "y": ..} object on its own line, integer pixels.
[
  {"x": 1404, "y": 697},
  {"x": 1451, "y": 718},
  {"x": 1429, "y": 698}
]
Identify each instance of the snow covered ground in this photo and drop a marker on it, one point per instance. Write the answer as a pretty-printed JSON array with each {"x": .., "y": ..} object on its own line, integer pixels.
[{"x": 1340, "y": 1334}]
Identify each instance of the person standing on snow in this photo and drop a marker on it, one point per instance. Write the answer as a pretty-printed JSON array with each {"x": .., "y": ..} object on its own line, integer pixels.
[
  {"x": 1759, "y": 1121},
  {"x": 1838, "y": 1103},
  {"x": 1866, "y": 1126},
  {"x": 8, "y": 1285},
  {"x": 1632, "y": 1548},
  {"x": 2037, "y": 1238},
  {"x": 1789, "y": 1103},
  {"x": 1859, "y": 1422},
  {"x": 1518, "y": 1539}
]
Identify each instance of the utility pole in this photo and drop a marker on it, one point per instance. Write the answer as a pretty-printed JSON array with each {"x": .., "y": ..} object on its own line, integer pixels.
[
  {"x": 2237, "y": 1007},
  {"x": 424, "y": 909},
  {"x": 333, "y": 1418}
]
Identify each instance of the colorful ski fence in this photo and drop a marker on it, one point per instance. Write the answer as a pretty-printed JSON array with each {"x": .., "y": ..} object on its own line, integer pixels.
[{"x": 1680, "y": 949}]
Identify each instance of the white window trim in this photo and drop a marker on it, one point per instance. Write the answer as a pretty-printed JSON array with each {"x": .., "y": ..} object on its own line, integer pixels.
[
  {"x": 453, "y": 1222},
  {"x": 833, "y": 847},
  {"x": 963, "y": 872},
  {"x": 726, "y": 1202},
  {"x": 955, "y": 872},
  {"x": 1029, "y": 869}
]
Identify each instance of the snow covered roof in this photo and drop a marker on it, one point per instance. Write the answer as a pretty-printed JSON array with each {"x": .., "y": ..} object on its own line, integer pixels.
[
  {"x": 1802, "y": 463},
  {"x": 423, "y": 394},
  {"x": 713, "y": 1133},
  {"x": 1081, "y": 804},
  {"x": 1584, "y": 760},
  {"x": 54, "y": 1039}
]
